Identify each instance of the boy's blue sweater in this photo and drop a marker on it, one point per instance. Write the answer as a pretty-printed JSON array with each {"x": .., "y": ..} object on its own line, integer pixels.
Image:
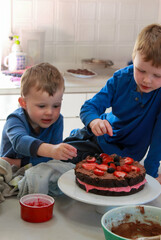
[
  {"x": 20, "y": 141},
  {"x": 135, "y": 119}
]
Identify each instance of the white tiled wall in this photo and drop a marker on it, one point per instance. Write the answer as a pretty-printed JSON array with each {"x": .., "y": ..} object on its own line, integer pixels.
[{"x": 76, "y": 29}]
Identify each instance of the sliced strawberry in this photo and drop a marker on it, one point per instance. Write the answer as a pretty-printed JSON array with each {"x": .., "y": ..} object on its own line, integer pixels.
[
  {"x": 91, "y": 159},
  {"x": 112, "y": 165},
  {"x": 107, "y": 158},
  {"x": 128, "y": 160},
  {"x": 102, "y": 167},
  {"x": 103, "y": 155},
  {"x": 89, "y": 166},
  {"x": 98, "y": 172},
  {"x": 119, "y": 174},
  {"x": 118, "y": 168},
  {"x": 126, "y": 168},
  {"x": 134, "y": 168}
]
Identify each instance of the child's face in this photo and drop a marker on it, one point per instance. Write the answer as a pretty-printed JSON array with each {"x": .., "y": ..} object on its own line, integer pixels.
[
  {"x": 43, "y": 110},
  {"x": 147, "y": 77}
]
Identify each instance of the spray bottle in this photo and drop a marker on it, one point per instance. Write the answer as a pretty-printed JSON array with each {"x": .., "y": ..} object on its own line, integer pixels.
[
  {"x": 17, "y": 59},
  {"x": 16, "y": 45}
]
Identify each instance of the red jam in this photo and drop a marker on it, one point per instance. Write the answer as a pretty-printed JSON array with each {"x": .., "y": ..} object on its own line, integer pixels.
[{"x": 37, "y": 203}]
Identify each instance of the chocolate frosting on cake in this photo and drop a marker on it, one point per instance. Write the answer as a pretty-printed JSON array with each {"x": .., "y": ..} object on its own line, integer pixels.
[{"x": 109, "y": 180}]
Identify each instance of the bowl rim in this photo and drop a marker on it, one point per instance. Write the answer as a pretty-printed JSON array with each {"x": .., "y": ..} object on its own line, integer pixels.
[
  {"x": 120, "y": 208},
  {"x": 35, "y": 195}
]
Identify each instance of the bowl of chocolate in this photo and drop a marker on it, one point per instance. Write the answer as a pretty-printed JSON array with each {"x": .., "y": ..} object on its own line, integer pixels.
[
  {"x": 139, "y": 222},
  {"x": 36, "y": 207}
]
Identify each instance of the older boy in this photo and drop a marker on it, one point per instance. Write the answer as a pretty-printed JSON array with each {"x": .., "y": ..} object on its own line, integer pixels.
[{"x": 134, "y": 93}]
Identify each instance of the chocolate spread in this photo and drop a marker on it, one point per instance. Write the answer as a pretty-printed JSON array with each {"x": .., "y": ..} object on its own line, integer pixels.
[{"x": 137, "y": 229}]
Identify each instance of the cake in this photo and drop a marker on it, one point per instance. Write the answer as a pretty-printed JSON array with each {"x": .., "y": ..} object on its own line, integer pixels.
[
  {"x": 110, "y": 175},
  {"x": 79, "y": 71}
]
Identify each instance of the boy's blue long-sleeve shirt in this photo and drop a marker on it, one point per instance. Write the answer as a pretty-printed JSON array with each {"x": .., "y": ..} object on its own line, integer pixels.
[
  {"x": 135, "y": 119},
  {"x": 20, "y": 141}
]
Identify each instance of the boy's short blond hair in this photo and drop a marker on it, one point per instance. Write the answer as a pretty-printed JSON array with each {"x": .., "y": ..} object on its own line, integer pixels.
[
  {"x": 44, "y": 77},
  {"x": 148, "y": 43}
]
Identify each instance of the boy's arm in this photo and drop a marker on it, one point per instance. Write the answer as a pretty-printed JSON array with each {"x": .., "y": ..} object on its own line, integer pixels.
[
  {"x": 62, "y": 151},
  {"x": 96, "y": 106},
  {"x": 159, "y": 178},
  {"x": 18, "y": 134},
  {"x": 152, "y": 161}
]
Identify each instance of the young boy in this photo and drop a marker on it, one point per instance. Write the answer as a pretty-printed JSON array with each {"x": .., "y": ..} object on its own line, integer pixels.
[
  {"x": 134, "y": 124},
  {"x": 33, "y": 133}
]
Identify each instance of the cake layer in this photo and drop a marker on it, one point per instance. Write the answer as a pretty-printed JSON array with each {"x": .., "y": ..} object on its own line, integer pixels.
[
  {"x": 111, "y": 193},
  {"x": 89, "y": 187}
]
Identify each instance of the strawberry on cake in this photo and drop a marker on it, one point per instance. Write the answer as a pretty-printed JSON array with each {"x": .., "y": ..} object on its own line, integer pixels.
[{"x": 110, "y": 175}]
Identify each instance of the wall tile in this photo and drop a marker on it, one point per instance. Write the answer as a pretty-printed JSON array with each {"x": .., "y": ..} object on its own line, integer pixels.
[
  {"x": 107, "y": 9},
  {"x": 86, "y": 32},
  {"x": 44, "y": 12},
  {"x": 18, "y": 26},
  {"x": 65, "y": 31},
  {"x": 128, "y": 10},
  {"x": 22, "y": 15},
  {"x": 76, "y": 29},
  {"x": 65, "y": 53},
  {"x": 44, "y": 17},
  {"x": 49, "y": 53},
  {"x": 123, "y": 53},
  {"x": 106, "y": 32},
  {"x": 66, "y": 10},
  {"x": 87, "y": 10},
  {"x": 126, "y": 32},
  {"x": 148, "y": 10},
  {"x": 65, "y": 20},
  {"x": 22, "y": 9}
]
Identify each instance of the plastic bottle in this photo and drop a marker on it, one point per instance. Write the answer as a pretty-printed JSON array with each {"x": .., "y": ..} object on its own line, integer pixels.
[
  {"x": 16, "y": 45},
  {"x": 16, "y": 60}
]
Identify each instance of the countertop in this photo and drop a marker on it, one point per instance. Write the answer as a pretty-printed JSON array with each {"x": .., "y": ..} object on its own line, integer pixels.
[
  {"x": 71, "y": 220},
  {"x": 72, "y": 84}
]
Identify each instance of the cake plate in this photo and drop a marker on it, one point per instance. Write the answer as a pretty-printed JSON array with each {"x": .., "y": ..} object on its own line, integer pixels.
[{"x": 67, "y": 185}]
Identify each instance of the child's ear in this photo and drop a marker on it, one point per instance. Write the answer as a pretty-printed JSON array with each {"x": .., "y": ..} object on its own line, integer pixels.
[{"x": 22, "y": 102}]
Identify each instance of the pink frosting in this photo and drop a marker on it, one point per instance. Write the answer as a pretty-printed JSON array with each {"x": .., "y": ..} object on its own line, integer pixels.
[{"x": 114, "y": 189}]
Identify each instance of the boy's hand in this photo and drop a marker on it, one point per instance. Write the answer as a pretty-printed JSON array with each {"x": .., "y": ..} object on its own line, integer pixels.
[
  {"x": 159, "y": 178},
  {"x": 100, "y": 127},
  {"x": 64, "y": 151}
]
